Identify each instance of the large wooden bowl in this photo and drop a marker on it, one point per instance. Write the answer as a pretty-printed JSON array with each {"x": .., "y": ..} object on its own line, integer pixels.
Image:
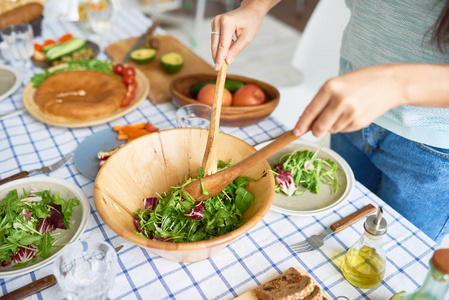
[
  {"x": 150, "y": 165},
  {"x": 236, "y": 116}
]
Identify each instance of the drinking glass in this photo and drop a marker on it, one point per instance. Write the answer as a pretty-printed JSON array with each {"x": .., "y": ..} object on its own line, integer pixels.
[
  {"x": 86, "y": 270},
  {"x": 99, "y": 15},
  {"x": 193, "y": 116},
  {"x": 17, "y": 45}
]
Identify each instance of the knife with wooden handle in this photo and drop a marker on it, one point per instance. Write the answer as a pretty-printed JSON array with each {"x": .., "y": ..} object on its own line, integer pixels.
[{"x": 31, "y": 289}]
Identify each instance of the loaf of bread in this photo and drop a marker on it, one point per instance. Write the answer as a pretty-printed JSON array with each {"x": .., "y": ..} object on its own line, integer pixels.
[
  {"x": 288, "y": 286},
  {"x": 27, "y": 13}
]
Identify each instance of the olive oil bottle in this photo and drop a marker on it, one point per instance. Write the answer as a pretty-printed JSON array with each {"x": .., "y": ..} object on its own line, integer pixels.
[
  {"x": 436, "y": 284},
  {"x": 364, "y": 263}
]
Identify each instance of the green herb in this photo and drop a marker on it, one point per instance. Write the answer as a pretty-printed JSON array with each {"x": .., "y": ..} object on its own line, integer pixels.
[
  {"x": 303, "y": 170},
  {"x": 179, "y": 218},
  {"x": 74, "y": 65},
  {"x": 27, "y": 225}
]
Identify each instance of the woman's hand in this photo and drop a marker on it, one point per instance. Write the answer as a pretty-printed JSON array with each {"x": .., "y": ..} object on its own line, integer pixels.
[
  {"x": 353, "y": 101},
  {"x": 244, "y": 22}
]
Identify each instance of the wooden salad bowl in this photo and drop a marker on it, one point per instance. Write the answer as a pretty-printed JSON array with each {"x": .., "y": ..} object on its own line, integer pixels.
[
  {"x": 235, "y": 116},
  {"x": 150, "y": 165}
]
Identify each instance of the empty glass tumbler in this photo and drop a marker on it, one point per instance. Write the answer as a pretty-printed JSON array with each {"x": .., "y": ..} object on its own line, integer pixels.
[{"x": 86, "y": 270}]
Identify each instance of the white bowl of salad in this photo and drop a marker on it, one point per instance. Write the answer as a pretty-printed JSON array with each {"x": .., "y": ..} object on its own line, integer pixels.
[{"x": 38, "y": 217}]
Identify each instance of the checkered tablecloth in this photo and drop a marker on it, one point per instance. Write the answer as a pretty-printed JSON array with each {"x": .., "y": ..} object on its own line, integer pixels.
[{"x": 257, "y": 256}]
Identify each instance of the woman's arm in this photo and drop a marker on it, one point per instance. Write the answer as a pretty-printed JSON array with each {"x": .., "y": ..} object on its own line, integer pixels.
[
  {"x": 354, "y": 100},
  {"x": 244, "y": 22}
]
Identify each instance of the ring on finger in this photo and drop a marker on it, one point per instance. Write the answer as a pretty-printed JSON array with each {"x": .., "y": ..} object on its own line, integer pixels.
[{"x": 215, "y": 33}]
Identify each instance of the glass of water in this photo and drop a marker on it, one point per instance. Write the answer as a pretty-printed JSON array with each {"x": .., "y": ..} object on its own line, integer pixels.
[
  {"x": 99, "y": 15},
  {"x": 17, "y": 45},
  {"x": 86, "y": 270},
  {"x": 193, "y": 116}
]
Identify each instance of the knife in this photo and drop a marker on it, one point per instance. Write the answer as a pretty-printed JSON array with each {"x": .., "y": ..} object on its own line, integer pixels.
[
  {"x": 141, "y": 40},
  {"x": 45, "y": 170}
]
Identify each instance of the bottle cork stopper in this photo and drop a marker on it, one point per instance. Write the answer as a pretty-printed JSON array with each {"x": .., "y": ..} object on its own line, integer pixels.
[{"x": 440, "y": 260}]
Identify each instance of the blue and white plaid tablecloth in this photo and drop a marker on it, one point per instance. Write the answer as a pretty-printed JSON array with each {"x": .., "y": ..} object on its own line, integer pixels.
[{"x": 254, "y": 258}]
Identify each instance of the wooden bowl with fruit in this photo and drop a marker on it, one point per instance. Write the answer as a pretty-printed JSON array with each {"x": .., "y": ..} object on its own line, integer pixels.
[{"x": 246, "y": 101}]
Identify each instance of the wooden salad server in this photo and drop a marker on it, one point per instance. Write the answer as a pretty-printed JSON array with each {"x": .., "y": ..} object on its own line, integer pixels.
[
  {"x": 210, "y": 160},
  {"x": 215, "y": 183}
]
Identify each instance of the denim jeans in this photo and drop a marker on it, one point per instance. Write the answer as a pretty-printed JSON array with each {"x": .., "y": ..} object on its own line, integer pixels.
[{"x": 410, "y": 177}]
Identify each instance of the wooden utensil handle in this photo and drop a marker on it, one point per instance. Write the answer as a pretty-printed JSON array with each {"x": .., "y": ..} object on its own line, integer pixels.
[
  {"x": 210, "y": 154},
  {"x": 351, "y": 219},
  {"x": 14, "y": 177},
  {"x": 31, "y": 289}
]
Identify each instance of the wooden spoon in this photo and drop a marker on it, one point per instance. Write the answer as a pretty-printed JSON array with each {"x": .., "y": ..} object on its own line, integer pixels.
[
  {"x": 210, "y": 154},
  {"x": 215, "y": 183}
]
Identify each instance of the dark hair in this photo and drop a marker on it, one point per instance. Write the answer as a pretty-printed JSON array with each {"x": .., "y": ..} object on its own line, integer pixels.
[{"x": 440, "y": 33}]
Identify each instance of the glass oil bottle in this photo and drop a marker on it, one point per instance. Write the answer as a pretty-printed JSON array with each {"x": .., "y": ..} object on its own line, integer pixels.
[
  {"x": 364, "y": 263},
  {"x": 436, "y": 284}
]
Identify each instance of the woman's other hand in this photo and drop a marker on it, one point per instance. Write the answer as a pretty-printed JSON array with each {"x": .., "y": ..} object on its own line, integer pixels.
[
  {"x": 352, "y": 101},
  {"x": 244, "y": 22}
]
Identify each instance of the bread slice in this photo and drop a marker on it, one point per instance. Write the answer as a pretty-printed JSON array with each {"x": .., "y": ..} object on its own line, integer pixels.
[{"x": 289, "y": 285}]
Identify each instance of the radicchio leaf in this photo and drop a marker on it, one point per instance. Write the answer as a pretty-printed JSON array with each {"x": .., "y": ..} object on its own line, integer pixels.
[
  {"x": 150, "y": 203},
  {"x": 285, "y": 180},
  {"x": 197, "y": 212},
  {"x": 25, "y": 254},
  {"x": 137, "y": 224},
  {"x": 161, "y": 239},
  {"x": 44, "y": 225},
  {"x": 7, "y": 263},
  {"x": 56, "y": 216},
  {"x": 26, "y": 212}
]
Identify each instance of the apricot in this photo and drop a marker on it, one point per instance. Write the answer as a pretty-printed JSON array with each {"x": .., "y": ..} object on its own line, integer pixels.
[{"x": 206, "y": 95}]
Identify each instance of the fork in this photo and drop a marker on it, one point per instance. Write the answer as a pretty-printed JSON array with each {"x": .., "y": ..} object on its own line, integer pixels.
[{"x": 316, "y": 241}]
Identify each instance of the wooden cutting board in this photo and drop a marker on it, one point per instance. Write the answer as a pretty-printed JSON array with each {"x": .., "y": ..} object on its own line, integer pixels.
[{"x": 160, "y": 80}]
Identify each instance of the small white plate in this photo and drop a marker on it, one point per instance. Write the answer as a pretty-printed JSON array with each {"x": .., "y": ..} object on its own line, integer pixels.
[
  {"x": 10, "y": 80},
  {"x": 309, "y": 204},
  {"x": 78, "y": 221}
]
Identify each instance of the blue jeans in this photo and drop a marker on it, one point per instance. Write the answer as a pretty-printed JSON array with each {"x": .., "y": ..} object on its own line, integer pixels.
[{"x": 410, "y": 177}]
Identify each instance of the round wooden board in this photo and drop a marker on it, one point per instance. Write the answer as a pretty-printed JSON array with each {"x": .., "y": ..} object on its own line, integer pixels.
[{"x": 143, "y": 88}]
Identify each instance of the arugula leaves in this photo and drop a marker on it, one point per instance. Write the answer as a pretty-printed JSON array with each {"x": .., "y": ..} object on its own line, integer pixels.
[
  {"x": 179, "y": 218},
  {"x": 84, "y": 64},
  {"x": 22, "y": 236},
  {"x": 303, "y": 168}
]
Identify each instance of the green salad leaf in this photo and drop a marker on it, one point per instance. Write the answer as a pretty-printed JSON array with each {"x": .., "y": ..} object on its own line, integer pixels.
[
  {"x": 28, "y": 224},
  {"x": 176, "y": 217},
  {"x": 303, "y": 170},
  {"x": 74, "y": 65}
]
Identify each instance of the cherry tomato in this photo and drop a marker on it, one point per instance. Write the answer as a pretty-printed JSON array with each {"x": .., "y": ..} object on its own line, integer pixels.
[
  {"x": 66, "y": 37},
  {"x": 38, "y": 47},
  {"x": 128, "y": 79},
  {"x": 129, "y": 71},
  {"x": 49, "y": 42},
  {"x": 130, "y": 94},
  {"x": 118, "y": 69}
]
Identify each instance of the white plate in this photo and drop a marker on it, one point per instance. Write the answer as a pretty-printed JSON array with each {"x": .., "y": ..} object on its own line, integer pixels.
[
  {"x": 78, "y": 221},
  {"x": 10, "y": 80},
  {"x": 309, "y": 204}
]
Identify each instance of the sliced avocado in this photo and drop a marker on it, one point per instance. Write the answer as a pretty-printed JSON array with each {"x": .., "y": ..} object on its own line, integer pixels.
[
  {"x": 60, "y": 50},
  {"x": 142, "y": 56},
  {"x": 172, "y": 62}
]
